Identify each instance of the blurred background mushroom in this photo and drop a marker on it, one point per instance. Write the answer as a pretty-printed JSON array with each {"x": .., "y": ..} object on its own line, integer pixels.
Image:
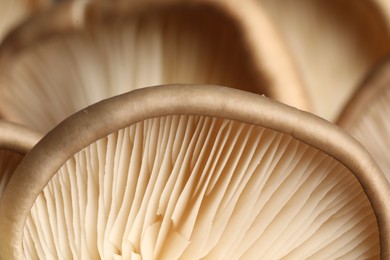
[
  {"x": 81, "y": 52},
  {"x": 13, "y": 13},
  {"x": 334, "y": 44},
  {"x": 195, "y": 172},
  {"x": 15, "y": 142},
  {"x": 366, "y": 115}
]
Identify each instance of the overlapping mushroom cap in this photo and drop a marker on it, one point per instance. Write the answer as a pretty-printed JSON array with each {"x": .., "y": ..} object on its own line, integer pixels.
[
  {"x": 366, "y": 116},
  {"x": 195, "y": 172},
  {"x": 12, "y": 13},
  {"x": 82, "y": 52},
  {"x": 334, "y": 43},
  {"x": 15, "y": 142}
]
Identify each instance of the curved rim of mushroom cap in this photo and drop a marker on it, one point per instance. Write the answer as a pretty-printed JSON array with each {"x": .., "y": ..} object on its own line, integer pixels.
[
  {"x": 375, "y": 83},
  {"x": 269, "y": 58},
  {"x": 17, "y": 138},
  {"x": 107, "y": 116}
]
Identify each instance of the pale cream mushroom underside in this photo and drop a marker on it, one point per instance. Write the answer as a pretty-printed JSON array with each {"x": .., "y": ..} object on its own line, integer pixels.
[
  {"x": 334, "y": 43},
  {"x": 12, "y": 13},
  {"x": 15, "y": 142},
  {"x": 81, "y": 52},
  {"x": 195, "y": 172},
  {"x": 366, "y": 116}
]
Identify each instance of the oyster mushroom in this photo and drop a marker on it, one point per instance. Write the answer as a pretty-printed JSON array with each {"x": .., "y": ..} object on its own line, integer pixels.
[
  {"x": 334, "y": 43},
  {"x": 81, "y": 52},
  {"x": 15, "y": 142},
  {"x": 366, "y": 116},
  {"x": 12, "y": 13},
  {"x": 195, "y": 172}
]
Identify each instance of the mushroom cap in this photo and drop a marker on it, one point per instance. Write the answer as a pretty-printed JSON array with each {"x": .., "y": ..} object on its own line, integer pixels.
[
  {"x": 195, "y": 171},
  {"x": 81, "y": 52},
  {"x": 366, "y": 115},
  {"x": 12, "y": 13},
  {"x": 334, "y": 44},
  {"x": 15, "y": 142}
]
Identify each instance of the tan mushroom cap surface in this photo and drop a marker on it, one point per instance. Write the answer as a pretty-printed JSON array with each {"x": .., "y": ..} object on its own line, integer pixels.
[
  {"x": 14, "y": 12},
  {"x": 195, "y": 171},
  {"x": 334, "y": 43},
  {"x": 366, "y": 116},
  {"x": 15, "y": 142},
  {"x": 81, "y": 52}
]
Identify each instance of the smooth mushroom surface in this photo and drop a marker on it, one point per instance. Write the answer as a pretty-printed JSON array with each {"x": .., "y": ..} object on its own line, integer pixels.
[
  {"x": 195, "y": 172},
  {"x": 366, "y": 116},
  {"x": 15, "y": 142},
  {"x": 81, "y": 52},
  {"x": 8, "y": 162},
  {"x": 13, "y": 12},
  {"x": 334, "y": 43},
  {"x": 385, "y": 8}
]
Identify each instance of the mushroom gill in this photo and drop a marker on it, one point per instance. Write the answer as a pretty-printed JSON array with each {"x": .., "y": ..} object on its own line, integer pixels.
[
  {"x": 366, "y": 116},
  {"x": 179, "y": 172},
  {"x": 81, "y": 52},
  {"x": 334, "y": 43}
]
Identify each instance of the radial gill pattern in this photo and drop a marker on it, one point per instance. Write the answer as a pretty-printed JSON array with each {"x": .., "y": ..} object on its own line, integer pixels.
[
  {"x": 8, "y": 162},
  {"x": 194, "y": 187},
  {"x": 372, "y": 127},
  {"x": 318, "y": 31},
  {"x": 47, "y": 81}
]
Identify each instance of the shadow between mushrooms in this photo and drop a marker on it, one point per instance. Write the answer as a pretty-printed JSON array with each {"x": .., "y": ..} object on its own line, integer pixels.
[
  {"x": 195, "y": 172},
  {"x": 81, "y": 52}
]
